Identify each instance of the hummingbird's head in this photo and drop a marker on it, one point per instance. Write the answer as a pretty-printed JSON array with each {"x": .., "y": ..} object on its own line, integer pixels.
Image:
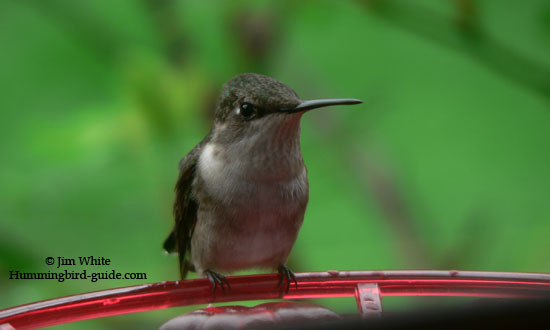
[
  {"x": 251, "y": 96},
  {"x": 252, "y": 103}
]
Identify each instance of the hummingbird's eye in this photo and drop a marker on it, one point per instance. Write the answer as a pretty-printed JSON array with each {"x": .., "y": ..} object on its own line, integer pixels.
[{"x": 247, "y": 111}]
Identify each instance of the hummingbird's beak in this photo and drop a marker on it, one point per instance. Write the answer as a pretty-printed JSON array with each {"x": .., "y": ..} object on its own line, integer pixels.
[{"x": 314, "y": 104}]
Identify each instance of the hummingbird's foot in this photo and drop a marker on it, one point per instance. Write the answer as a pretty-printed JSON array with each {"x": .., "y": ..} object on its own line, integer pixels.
[
  {"x": 217, "y": 279},
  {"x": 288, "y": 275}
]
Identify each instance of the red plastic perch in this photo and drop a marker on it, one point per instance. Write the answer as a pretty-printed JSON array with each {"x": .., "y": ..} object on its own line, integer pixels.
[{"x": 255, "y": 287}]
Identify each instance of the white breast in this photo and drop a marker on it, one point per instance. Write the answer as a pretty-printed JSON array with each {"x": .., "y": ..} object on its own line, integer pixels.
[{"x": 232, "y": 175}]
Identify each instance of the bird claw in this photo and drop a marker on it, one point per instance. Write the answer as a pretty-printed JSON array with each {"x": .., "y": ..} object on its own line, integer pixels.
[
  {"x": 217, "y": 279},
  {"x": 286, "y": 273}
]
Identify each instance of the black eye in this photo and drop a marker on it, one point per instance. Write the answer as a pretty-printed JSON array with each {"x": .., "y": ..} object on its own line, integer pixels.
[{"x": 247, "y": 111}]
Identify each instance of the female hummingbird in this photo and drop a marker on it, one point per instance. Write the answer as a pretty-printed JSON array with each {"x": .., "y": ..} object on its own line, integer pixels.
[{"x": 242, "y": 191}]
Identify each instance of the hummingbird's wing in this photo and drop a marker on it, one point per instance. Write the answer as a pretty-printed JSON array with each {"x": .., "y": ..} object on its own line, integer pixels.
[{"x": 185, "y": 208}]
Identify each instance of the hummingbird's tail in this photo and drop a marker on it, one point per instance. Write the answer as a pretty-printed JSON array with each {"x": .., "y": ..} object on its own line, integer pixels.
[{"x": 169, "y": 244}]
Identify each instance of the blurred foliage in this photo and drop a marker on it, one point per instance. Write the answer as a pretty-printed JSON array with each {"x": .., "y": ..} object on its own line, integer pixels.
[{"x": 446, "y": 164}]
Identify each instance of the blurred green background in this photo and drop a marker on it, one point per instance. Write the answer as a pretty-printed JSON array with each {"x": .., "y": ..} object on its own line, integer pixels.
[{"x": 445, "y": 165}]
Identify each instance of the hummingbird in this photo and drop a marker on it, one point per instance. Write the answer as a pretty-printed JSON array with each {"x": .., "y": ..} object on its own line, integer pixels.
[{"x": 242, "y": 192}]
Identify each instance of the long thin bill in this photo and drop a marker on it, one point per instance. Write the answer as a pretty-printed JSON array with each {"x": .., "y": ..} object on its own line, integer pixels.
[{"x": 314, "y": 104}]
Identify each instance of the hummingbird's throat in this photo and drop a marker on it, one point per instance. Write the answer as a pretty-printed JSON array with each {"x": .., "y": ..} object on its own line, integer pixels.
[{"x": 268, "y": 149}]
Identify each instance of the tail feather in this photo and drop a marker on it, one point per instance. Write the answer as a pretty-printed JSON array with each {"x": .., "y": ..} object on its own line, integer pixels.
[{"x": 169, "y": 244}]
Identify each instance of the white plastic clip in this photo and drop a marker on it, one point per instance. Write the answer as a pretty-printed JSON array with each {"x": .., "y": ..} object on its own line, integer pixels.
[{"x": 368, "y": 298}]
